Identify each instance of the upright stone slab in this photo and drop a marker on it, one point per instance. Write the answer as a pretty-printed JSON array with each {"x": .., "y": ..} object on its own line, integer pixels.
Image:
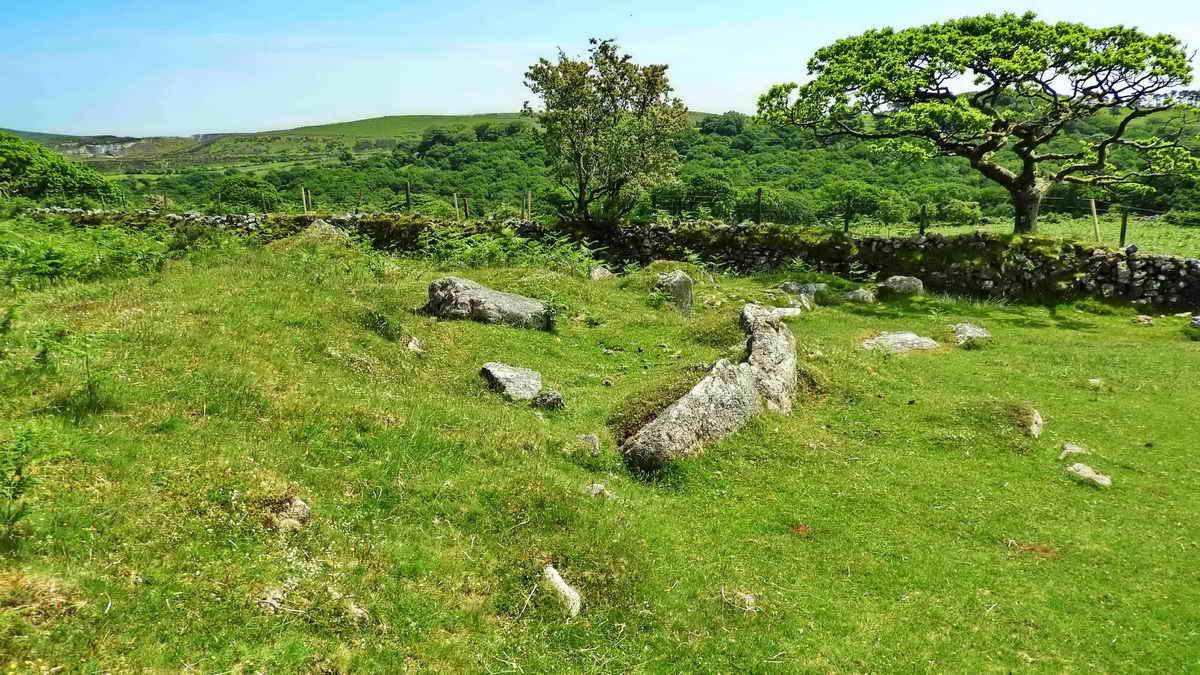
[
  {"x": 677, "y": 285},
  {"x": 772, "y": 356},
  {"x": 455, "y": 298}
]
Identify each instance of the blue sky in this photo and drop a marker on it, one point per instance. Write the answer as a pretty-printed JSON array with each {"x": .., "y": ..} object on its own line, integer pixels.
[{"x": 167, "y": 67}]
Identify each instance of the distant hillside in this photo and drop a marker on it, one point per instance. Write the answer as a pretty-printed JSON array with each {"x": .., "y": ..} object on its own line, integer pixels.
[{"x": 396, "y": 125}]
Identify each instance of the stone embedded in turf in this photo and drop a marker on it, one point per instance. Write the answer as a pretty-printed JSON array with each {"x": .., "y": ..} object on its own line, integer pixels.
[
  {"x": 517, "y": 384},
  {"x": 1069, "y": 449},
  {"x": 571, "y": 600},
  {"x": 860, "y": 295},
  {"x": 597, "y": 490},
  {"x": 969, "y": 335},
  {"x": 593, "y": 443},
  {"x": 899, "y": 285},
  {"x": 1086, "y": 474},
  {"x": 797, "y": 288},
  {"x": 1143, "y": 320},
  {"x": 678, "y": 286},
  {"x": 772, "y": 356},
  {"x": 455, "y": 298},
  {"x": 599, "y": 273},
  {"x": 548, "y": 400},
  {"x": 717, "y": 406},
  {"x": 1032, "y": 423},
  {"x": 899, "y": 343}
]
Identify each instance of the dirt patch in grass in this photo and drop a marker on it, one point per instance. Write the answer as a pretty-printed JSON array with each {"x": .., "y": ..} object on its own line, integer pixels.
[{"x": 36, "y": 598}]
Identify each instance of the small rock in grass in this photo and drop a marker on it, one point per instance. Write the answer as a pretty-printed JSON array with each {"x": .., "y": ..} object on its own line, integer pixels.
[
  {"x": 1143, "y": 320},
  {"x": 899, "y": 343},
  {"x": 1069, "y": 449},
  {"x": 1087, "y": 474},
  {"x": 517, "y": 384},
  {"x": 899, "y": 285},
  {"x": 1033, "y": 423},
  {"x": 1095, "y": 383},
  {"x": 548, "y": 400},
  {"x": 593, "y": 443},
  {"x": 597, "y": 490},
  {"x": 788, "y": 312},
  {"x": 414, "y": 345},
  {"x": 968, "y": 335},
  {"x": 1196, "y": 322},
  {"x": 599, "y": 273},
  {"x": 288, "y": 525},
  {"x": 570, "y": 597},
  {"x": 455, "y": 298},
  {"x": 860, "y": 295},
  {"x": 677, "y": 285},
  {"x": 797, "y": 288},
  {"x": 295, "y": 508}
]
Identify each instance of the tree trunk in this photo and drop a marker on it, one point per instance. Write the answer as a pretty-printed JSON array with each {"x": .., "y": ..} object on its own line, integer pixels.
[{"x": 1027, "y": 204}]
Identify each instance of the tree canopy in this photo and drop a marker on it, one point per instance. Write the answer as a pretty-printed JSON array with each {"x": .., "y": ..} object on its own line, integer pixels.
[
  {"x": 31, "y": 170},
  {"x": 1031, "y": 82},
  {"x": 608, "y": 126}
]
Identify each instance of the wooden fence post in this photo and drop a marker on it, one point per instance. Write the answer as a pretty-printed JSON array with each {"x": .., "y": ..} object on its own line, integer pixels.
[
  {"x": 1095, "y": 220},
  {"x": 455, "y": 204},
  {"x": 303, "y": 200},
  {"x": 466, "y": 209},
  {"x": 758, "y": 208},
  {"x": 408, "y": 195},
  {"x": 1124, "y": 224}
]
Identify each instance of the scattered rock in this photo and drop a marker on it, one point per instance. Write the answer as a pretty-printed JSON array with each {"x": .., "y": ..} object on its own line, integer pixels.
[
  {"x": 787, "y": 312},
  {"x": 569, "y": 596},
  {"x": 548, "y": 400},
  {"x": 860, "y": 295},
  {"x": 593, "y": 443},
  {"x": 293, "y": 507},
  {"x": 517, "y": 384},
  {"x": 599, "y": 273},
  {"x": 899, "y": 285},
  {"x": 677, "y": 285},
  {"x": 1032, "y": 423},
  {"x": 321, "y": 230},
  {"x": 806, "y": 302},
  {"x": 1087, "y": 474},
  {"x": 597, "y": 490},
  {"x": 717, "y": 406},
  {"x": 1069, "y": 449},
  {"x": 1195, "y": 322},
  {"x": 899, "y": 343},
  {"x": 1143, "y": 320},
  {"x": 772, "y": 356},
  {"x": 414, "y": 345},
  {"x": 1095, "y": 383},
  {"x": 968, "y": 335},
  {"x": 455, "y": 298},
  {"x": 288, "y": 525},
  {"x": 797, "y": 288}
]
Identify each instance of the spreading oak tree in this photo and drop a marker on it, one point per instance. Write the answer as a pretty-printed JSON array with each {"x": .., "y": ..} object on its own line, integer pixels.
[
  {"x": 1000, "y": 92},
  {"x": 608, "y": 126}
]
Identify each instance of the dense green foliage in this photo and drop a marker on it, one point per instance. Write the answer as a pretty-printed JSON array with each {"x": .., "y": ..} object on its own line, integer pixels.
[
  {"x": 1032, "y": 81},
  {"x": 30, "y": 170}
]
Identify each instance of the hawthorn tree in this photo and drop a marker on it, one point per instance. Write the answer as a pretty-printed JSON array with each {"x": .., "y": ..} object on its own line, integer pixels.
[
  {"x": 608, "y": 126},
  {"x": 1031, "y": 81}
]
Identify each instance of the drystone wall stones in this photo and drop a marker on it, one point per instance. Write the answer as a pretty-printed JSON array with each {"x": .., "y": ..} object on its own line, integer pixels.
[{"x": 455, "y": 298}]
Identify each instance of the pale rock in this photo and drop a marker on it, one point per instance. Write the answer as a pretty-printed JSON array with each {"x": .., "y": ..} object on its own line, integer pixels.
[
  {"x": 899, "y": 343},
  {"x": 1087, "y": 474},
  {"x": 517, "y": 384}
]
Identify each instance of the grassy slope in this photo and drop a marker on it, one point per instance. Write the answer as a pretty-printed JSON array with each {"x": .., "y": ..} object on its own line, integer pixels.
[
  {"x": 396, "y": 126},
  {"x": 437, "y": 504}
]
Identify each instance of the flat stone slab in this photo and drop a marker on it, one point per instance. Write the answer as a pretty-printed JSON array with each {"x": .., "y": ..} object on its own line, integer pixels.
[
  {"x": 1086, "y": 474},
  {"x": 455, "y": 298},
  {"x": 968, "y": 334},
  {"x": 899, "y": 343},
  {"x": 517, "y": 384}
]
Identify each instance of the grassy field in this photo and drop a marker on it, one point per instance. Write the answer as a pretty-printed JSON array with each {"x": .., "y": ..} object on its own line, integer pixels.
[
  {"x": 398, "y": 126},
  {"x": 895, "y": 522},
  {"x": 1150, "y": 236}
]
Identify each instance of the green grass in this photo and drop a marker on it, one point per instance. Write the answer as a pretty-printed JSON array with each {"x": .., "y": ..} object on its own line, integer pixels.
[
  {"x": 1150, "y": 236},
  {"x": 892, "y": 523},
  {"x": 397, "y": 126}
]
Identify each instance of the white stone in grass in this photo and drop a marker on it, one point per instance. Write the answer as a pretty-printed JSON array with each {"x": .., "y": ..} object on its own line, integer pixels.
[
  {"x": 571, "y": 600},
  {"x": 797, "y": 288},
  {"x": 1034, "y": 424},
  {"x": 599, "y": 273},
  {"x": 1069, "y": 449},
  {"x": 517, "y": 384},
  {"x": 899, "y": 343},
  {"x": 967, "y": 334},
  {"x": 860, "y": 295},
  {"x": 1086, "y": 474},
  {"x": 597, "y": 490},
  {"x": 899, "y": 285},
  {"x": 414, "y": 345},
  {"x": 296, "y": 509}
]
